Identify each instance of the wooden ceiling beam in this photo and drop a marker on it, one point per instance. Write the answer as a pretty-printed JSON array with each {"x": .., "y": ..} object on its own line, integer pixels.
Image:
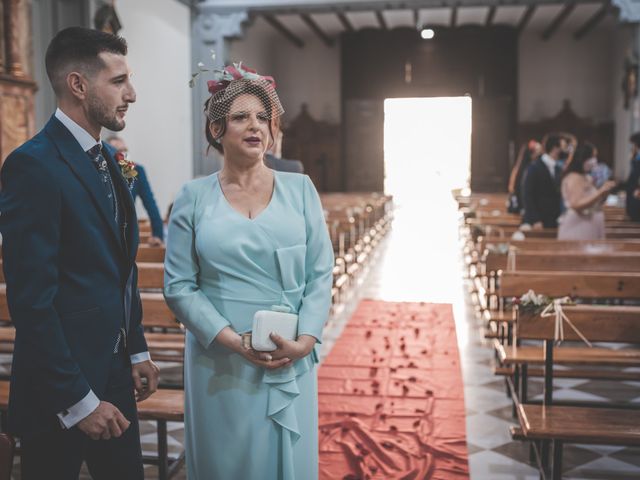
[
  {"x": 284, "y": 31},
  {"x": 345, "y": 21},
  {"x": 558, "y": 21},
  {"x": 526, "y": 16},
  {"x": 315, "y": 28},
  {"x": 595, "y": 19},
  {"x": 490, "y": 15},
  {"x": 381, "y": 20}
]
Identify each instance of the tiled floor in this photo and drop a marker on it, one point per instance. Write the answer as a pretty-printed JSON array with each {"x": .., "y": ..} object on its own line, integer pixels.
[{"x": 420, "y": 261}]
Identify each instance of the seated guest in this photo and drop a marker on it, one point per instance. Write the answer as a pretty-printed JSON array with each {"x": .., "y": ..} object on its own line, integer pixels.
[
  {"x": 633, "y": 181},
  {"x": 273, "y": 158},
  {"x": 528, "y": 152},
  {"x": 540, "y": 190},
  {"x": 141, "y": 187},
  {"x": 584, "y": 218}
]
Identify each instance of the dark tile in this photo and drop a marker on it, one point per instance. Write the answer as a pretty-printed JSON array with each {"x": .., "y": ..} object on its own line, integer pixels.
[
  {"x": 504, "y": 413},
  {"x": 518, "y": 451},
  {"x": 471, "y": 449},
  {"x": 574, "y": 456},
  {"x": 610, "y": 389},
  {"x": 630, "y": 455}
]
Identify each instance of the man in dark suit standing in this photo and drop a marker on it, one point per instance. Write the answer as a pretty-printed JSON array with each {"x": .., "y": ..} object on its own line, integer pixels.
[
  {"x": 541, "y": 185},
  {"x": 70, "y": 239}
]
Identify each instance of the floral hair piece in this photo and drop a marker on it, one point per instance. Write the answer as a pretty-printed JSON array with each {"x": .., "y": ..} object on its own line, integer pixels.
[{"x": 231, "y": 82}]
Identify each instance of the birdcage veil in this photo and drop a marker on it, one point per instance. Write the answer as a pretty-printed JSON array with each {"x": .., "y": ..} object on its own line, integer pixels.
[
  {"x": 232, "y": 82},
  {"x": 221, "y": 101}
]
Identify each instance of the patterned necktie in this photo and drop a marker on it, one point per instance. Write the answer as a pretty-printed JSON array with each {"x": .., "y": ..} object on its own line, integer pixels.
[{"x": 95, "y": 153}]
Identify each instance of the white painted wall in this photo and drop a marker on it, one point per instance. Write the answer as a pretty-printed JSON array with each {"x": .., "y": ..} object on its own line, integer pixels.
[
  {"x": 308, "y": 75},
  {"x": 622, "y": 45},
  {"x": 563, "y": 68},
  {"x": 158, "y": 130}
]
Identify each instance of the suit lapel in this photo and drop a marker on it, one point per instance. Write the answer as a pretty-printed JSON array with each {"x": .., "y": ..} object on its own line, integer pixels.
[
  {"x": 80, "y": 164},
  {"x": 126, "y": 202}
]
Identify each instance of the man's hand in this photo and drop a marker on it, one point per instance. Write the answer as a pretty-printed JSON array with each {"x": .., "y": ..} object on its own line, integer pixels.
[
  {"x": 636, "y": 193},
  {"x": 142, "y": 371},
  {"x": 155, "y": 242},
  {"x": 538, "y": 226},
  {"x": 104, "y": 422}
]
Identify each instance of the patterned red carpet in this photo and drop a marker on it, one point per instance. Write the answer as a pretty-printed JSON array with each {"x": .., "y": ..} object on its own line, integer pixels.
[{"x": 391, "y": 398}]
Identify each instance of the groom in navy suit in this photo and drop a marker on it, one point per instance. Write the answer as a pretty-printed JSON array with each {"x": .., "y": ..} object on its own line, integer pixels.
[{"x": 70, "y": 239}]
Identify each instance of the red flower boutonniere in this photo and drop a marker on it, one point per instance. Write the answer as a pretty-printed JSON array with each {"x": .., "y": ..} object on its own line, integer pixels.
[{"x": 127, "y": 168}]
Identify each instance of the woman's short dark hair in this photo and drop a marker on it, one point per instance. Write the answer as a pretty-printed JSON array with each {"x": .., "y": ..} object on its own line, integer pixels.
[
  {"x": 78, "y": 48},
  {"x": 635, "y": 139},
  {"x": 274, "y": 121},
  {"x": 584, "y": 151}
]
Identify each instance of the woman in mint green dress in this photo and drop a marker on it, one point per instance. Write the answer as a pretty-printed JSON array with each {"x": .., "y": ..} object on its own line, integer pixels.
[{"x": 245, "y": 239}]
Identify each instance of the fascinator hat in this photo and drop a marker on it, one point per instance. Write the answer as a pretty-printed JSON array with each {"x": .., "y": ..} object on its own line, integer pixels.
[{"x": 233, "y": 81}]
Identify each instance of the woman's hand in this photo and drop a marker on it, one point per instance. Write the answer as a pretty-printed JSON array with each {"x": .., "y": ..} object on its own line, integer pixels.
[
  {"x": 607, "y": 187},
  {"x": 293, "y": 349},
  {"x": 230, "y": 339}
]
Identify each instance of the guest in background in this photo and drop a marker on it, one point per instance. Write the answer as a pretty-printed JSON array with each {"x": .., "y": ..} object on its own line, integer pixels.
[
  {"x": 273, "y": 158},
  {"x": 528, "y": 152},
  {"x": 540, "y": 189},
  {"x": 584, "y": 218},
  {"x": 633, "y": 181},
  {"x": 600, "y": 173},
  {"x": 142, "y": 188}
]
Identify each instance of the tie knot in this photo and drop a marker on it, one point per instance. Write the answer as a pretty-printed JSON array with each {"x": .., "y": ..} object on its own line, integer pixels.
[{"x": 95, "y": 151}]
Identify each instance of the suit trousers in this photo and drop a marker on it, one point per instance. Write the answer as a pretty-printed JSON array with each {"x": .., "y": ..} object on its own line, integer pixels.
[{"x": 58, "y": 453}]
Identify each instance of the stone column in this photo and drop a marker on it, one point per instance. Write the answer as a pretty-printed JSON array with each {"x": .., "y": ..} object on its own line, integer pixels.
[
  {"x": 211, "y": 30},
  {"x": 12, "y": 24}
]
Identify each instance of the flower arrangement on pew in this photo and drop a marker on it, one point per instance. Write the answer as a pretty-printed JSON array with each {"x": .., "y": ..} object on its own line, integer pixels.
[{"x": 531, "y": 302}]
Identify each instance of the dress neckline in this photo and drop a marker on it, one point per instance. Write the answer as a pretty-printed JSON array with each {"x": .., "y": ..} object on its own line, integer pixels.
[{"x": 236, "y": 211}]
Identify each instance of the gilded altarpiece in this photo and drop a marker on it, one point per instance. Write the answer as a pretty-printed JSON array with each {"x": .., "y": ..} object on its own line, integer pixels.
[{"x": 17, "y": 89}]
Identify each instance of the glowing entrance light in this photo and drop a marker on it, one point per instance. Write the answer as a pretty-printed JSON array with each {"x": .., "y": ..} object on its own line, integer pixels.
[{"x": 427, "y": 33}]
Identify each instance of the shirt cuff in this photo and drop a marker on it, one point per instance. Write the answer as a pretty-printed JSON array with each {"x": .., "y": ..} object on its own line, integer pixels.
[
  {"x": 79, "y": 411},
  {"x": 140, "y": 357}
]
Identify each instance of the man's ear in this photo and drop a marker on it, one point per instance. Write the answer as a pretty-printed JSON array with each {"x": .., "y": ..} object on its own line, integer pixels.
[{"x": 77, "y": 85}]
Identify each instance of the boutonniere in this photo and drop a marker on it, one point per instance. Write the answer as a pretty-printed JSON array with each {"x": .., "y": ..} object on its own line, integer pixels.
[{"x": 127, "y": 168}]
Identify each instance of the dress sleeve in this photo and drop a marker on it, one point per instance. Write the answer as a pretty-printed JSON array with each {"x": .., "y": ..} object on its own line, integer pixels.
[
  {"x": 181, "y": 269},
  {"x": 319, "y": 261}
]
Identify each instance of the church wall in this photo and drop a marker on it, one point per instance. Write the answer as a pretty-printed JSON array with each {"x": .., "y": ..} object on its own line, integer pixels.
[
  {"x": 308, "y": 75},
  {"x": 622, "y": 46},
  {"x": 564, "y": 68},
  {"x": 158, "y": 130}
]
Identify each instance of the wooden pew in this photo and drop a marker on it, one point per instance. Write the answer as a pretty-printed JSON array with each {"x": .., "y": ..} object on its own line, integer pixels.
[
  {"x": 552, "y": 260},
  {"x": 164, "y": 405},
  {"x": 561, "y": 424}
]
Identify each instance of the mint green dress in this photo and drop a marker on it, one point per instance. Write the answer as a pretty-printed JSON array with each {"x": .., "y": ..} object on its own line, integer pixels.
[{"x": 243, "y": 422}]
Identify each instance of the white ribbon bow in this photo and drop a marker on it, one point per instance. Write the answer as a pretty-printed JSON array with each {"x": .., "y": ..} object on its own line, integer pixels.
[{"x": 555, "y": 309}]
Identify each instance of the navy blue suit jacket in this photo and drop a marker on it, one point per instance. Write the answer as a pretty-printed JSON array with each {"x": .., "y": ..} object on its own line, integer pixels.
[
  {"x": 633, "y": 183},
  {"x": 70, "y": 274},
  {"x": 541, "y": 195},
  {"x": 142, "y": 187}
]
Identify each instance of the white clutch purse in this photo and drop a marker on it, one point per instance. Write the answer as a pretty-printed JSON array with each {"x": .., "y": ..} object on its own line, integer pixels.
[{"x": 278, "y": 321}]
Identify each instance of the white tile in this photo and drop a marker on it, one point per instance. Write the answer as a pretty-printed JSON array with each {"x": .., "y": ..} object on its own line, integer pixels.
[{"x": 493, "y": 466}]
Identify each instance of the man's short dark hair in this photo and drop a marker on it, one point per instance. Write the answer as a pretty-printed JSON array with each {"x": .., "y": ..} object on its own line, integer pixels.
[
  {"x": 77, "y": 48},
  {"x": 552, "y": 141},
  {"x": 635, "y": 139}
]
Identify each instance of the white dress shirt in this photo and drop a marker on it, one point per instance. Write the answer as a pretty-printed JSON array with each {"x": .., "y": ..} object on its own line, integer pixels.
[
  {"x": 72, "y": 415},
  {"x": 550, "y": 162}
]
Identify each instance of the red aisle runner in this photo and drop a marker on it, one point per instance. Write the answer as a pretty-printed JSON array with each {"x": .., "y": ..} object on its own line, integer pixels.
[{"x": 391, "y": 398}]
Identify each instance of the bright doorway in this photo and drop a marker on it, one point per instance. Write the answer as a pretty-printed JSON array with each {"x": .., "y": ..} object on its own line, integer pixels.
[{"x": 427, "y": 147}]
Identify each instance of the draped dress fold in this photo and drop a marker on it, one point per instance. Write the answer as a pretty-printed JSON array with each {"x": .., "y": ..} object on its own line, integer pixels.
[{"x": 243, "y": 421}]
